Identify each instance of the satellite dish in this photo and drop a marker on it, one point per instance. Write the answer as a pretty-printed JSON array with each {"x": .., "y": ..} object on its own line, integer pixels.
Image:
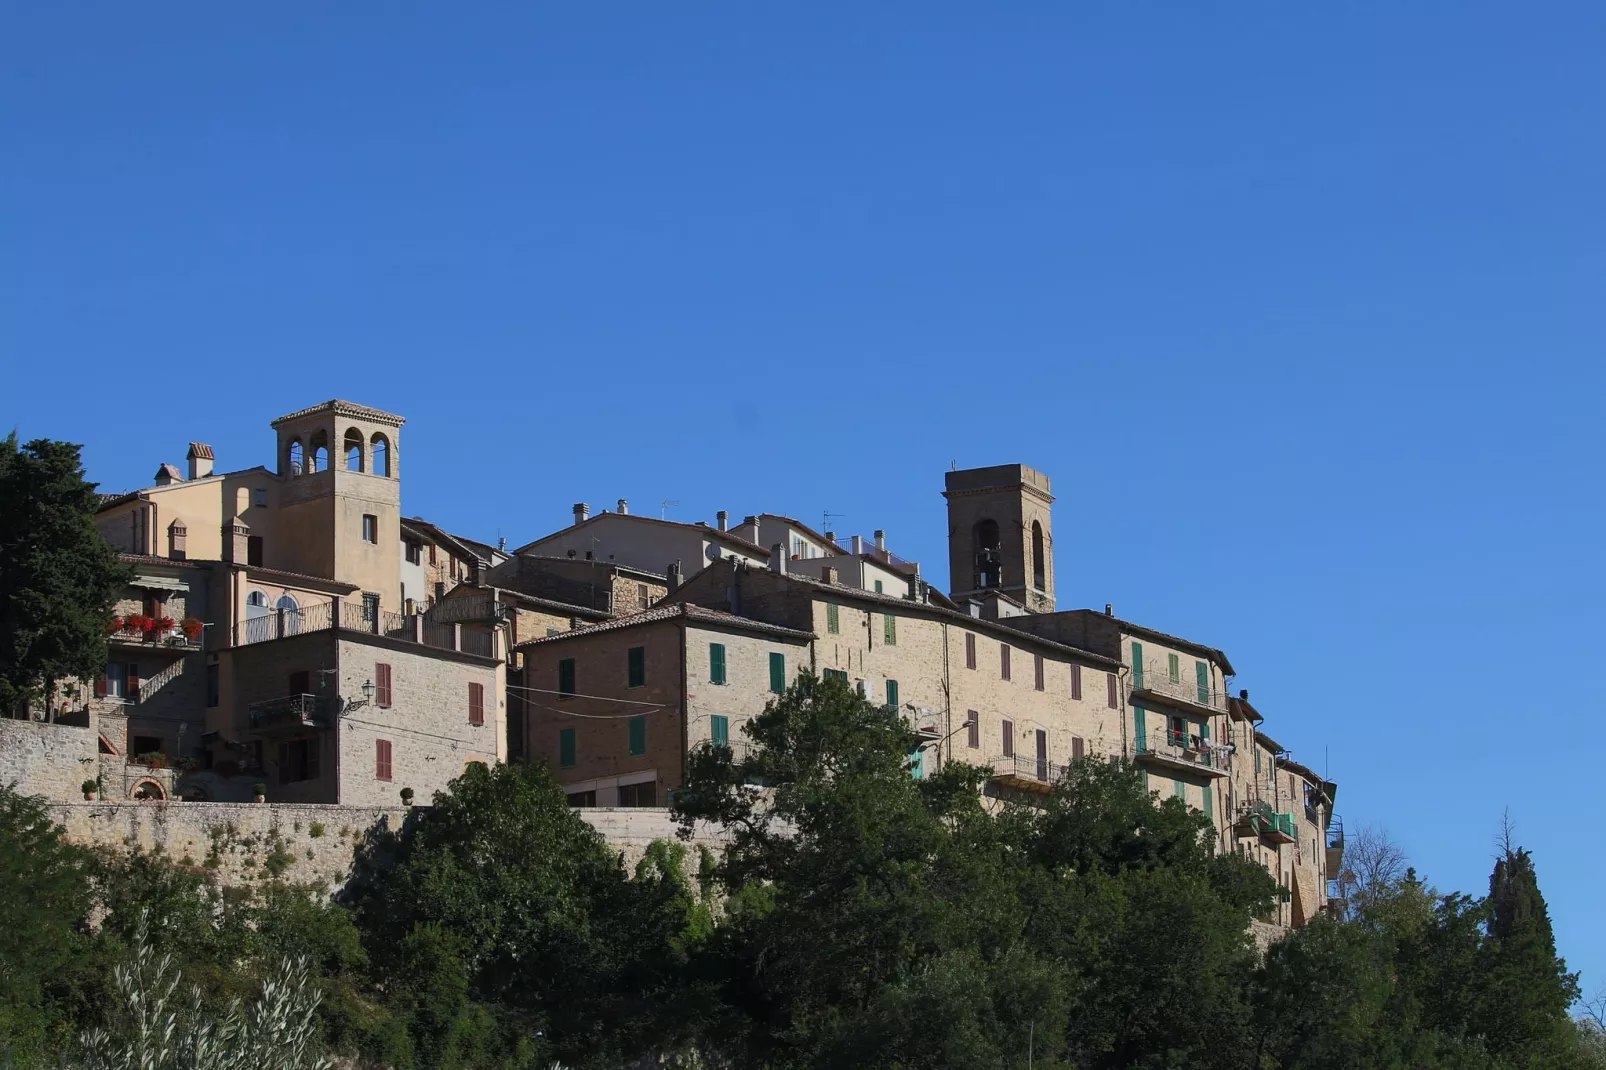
[{"x": 713, "y": 553}]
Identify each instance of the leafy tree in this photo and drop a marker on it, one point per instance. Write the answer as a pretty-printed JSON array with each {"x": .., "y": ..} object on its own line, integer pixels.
[
  {"x": 58, "y": 578},
  {"x": 1528, "y": 988}
]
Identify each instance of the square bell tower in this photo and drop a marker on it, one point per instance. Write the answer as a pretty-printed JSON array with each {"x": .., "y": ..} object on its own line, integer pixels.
[{"x": 1001, "y": 534}]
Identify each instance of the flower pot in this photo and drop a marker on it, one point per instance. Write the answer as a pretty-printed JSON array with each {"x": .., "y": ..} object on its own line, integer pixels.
[
  {"x": 260, "y": 798},
  {"x": 89, "y": 796}
]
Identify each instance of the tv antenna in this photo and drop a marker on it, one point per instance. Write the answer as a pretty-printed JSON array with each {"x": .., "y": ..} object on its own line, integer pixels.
[
  {"x": 666, "y": 505},
  {"x": 827, "y": 516}
]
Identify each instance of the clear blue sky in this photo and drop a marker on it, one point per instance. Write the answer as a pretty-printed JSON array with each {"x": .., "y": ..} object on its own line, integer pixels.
[{"x": 1301, "y": 308}]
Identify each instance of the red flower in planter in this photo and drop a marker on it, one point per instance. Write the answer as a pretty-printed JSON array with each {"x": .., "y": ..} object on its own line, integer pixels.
[
  {"x": 114, "y": 625},
  {"x": 192, "y": 627},
  {"x": 163, "y": 624},
  {"x": 137, "y": 622}
]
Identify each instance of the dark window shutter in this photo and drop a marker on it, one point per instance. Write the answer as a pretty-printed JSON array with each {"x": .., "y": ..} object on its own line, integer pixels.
[
  {"x": 1009, "y": 739},
  {"x": 1076, "y": 681},
  {"x": 131, "y": 688},
  {"x": 1110, "y": 699},
  {"x": 636, "y": 666},
  {"x": 1003, "y": 660},
  {"x": 382, "y": 694},
  {"x": 716, "y": 663},
  {"x": 1137, "y": 666},
  {"x": 476, "y": 703},
  {"x": 566, "y": 676},
  {"x": 299, "y": 682},
  {"x": 777, "y": 672},
  {"x": 974, "y": 732},
  {"x": 382, "y": 759},
  {"x": 1201, "y": 673},
  {"x": 638, "y": 735},
  {"x": 970, "y": 650},
  {"x": 892, "y": 694},
  {"x": 1077, "y": 747},
  {"x": 566, "y": 747},
  {"x": 720, "y": 729},
  {"x": 1037, "y": 665}
]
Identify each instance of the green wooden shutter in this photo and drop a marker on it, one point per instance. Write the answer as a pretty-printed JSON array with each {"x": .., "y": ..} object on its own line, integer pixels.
[
  {"x": 1174, "y": 664},
  {"x": 566, "y": 676},
  {"x": 877, "y": 586},
  {"x": 716, "y": 663},
  {"x": 778, "y": 673},
  {"x": 636, "y": 660},
  {"x": 1137, "y": 666},
  {"x": 890, "y": 629},
  {"x": 1201, "y": 672},
  {"x": 833, "y": 618},
  {"x": 1140, "y": 728},
  {"x": 566, "y": 748},
  {"x": 638, "y": 735},
  {"x": 1209, "y": 804},
  {"x": 917, "y": 763},
  {"x": 720, "y": 728},
  {"x": 1182, "y": 790},
  {"x": 892, "y": 694}
]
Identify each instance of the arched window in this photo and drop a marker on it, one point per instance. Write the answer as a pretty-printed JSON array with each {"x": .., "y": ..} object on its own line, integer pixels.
[
  {"x": 354, "y": 450},
  {"x": 1039, "y": 561},
  {"x": 318, "y": 461},
  {"x": 380, "y": 452},
  {"x": 292, "y": 614},
  {"x": 256, "y": 604},
  {"x": 989, "y": 554},
  {"x": 293, "y": 457}
]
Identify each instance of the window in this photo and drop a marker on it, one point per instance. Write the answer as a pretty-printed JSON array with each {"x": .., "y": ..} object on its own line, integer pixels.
[
  {"x": 878, "y": 587},
  {"x": 381, "y": 685},
  {"x": 838, "y": 675},
  {"x": 553, "y": 631},
  {"x": 300, "y": 683},
  {"x": 353, "y": 443},
  {"x": 643, "y": 599},
  {"x": 970, "y": 650},
  {"x": 566, "y": 678},
  {"x": 1037, "y": 668},
  {"x": 719, "y": 730},
  {"x": 381, "y": 759},
  {"x": 1076, "y": 681},
  {"x": 566, "y": 748},
  {"x": 214, "y": 686},
  {"x": 1041, "y": 737},
  {"x": 318, "y": 453},
  {"x": 295, "y": 457},
  {"x": 583, "y": 799},
  {"x": 1039, "y": 558},
  {"x": 1209, "y": 804},
  {"x": 370, "y": 612},
  {"x": 778, "y": 673},
  {"x": 298, "y": 760},
  {"x": 476, "y": 704},
  {"x": 643, "y": 794},
  {"x": 1009, "y": 739},
  {"x": 290, "y": 613},
  {"x": 1140, "y": 728},
  {"x": 833, "y": 618},
  {"x": 638, "y": 735},
  {"x": 1137, "y": 666},
  {"x": 259, "y": 497},
  {"x": 1003, "y": 661},
  {"x": 115, "y": 683},
  {"x": 415, "y": 553},
  {"x": 1174, "y": 667},
  {"x": 1201, "y": 673},
  {"x": 1110, "y": 698},
  {"x": 973, "y": 729},
  {"x": 1078, "y": 748},
  {"x": 1257, "y": 761},
  {"x": 716, "y": 663},
  {"x": 432, "y": 553},
  {"x": 253, "y": 551},
  {"x": 380, "y": 452},
  {"x": 1182, "y": 790},
  {"x": 889, "y": 629},
  {"x": 892, "y": 694},
  {"x": 636, "y": 667},
  {"x": 370, "y": 528}
]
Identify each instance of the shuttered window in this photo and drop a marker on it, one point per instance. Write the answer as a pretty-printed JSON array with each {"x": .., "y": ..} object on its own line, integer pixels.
[
  {"x": 1182, "y": 790},
  {"x": 1140, "y": 728},
  {"x": 566, "y": 677},
  {"x": 1137, "y": 666},
  {"x": 892, "y": 694},
  {"x": 1209, "y": 804},
  {"x": 833, "y": 618},
  {"x": 300, "y": 683},
  {"x": 719, "y": 728},
  {"x": 890, "y": 629},
  {"x": 382, "y": 759},
  {"x": 566, "y": 748},
  {"x": 132, "y": 682},
  {"x": 638, "y": 735},
  {"x": 1009, "y": 739},
  {"x": 778, "y": 673},
  {"x": 839, "y": 675},
  {"x": 716, "y": 663},
  {"x": 1076, "y": 681},
  {"x": 382, "y": 694},
  {"x": 1078, "y": 748},
  {"x": 636, "y": 666},
  {"x": 973, "y": 733},
  {"x": 1174, "y": 668},
  {"x": 1110, "y": 699},
  {"x": 1201, "y": 672},
  {"x": 1037, "y": 668},
  {"x": 970, "y": 650},
  {"x": 1003, "y": 661},
  {"x": 476, "y": 703}
]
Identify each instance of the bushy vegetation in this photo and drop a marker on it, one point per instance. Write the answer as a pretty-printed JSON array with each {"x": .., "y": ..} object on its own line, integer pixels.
[{"x": 857, "y": 917}]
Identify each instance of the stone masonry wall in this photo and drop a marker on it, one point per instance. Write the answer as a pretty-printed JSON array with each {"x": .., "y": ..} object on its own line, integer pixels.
[{"x": 52, "y": 760}]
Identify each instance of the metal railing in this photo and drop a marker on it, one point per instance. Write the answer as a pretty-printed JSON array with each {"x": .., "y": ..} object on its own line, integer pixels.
[
  {"x": 1335, "y": 833},
  {"x": 1155, "y": 679},
  {"x": 1181, "y": 747},
  {"x": 480, "y": 643},
  {"x": 459, "y": 609},
  {"x": 301, "y": 709},
  {"x": 412, "y": 628},
  {"x": 1029, "y": 768}
]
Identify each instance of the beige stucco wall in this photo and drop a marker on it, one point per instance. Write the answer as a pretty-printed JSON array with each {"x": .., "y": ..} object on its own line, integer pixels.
[{"x": 746, "y": 690}]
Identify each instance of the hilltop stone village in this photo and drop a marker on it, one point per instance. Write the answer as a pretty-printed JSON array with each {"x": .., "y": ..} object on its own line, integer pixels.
[{"x": 288, "y": 633}]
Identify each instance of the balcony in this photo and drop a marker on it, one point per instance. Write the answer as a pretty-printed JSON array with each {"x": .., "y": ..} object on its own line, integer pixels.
[
  {"x": 1027, "y": 774},
  {"x": 290, "y": 715},
  {"x": 1259, "y": 819},
  {"x": 1335, "y": 844},
  {"x": 327, "y": 616},
  {"x": 1178, "y": 752},
  {"x": 177, "y": 644},
  {"x": 1153, "y": 682}
]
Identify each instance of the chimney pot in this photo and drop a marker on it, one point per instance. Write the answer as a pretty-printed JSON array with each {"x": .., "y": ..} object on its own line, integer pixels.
[
  {"x": 828, "y": 575},
  {"x": 723, "y": 518},
  {"x": 830, "y": 536},
  {"x": 1109, "y": 609},
  {"x": 674, "y": 577},
  {"x": 1244, "y": 694},
  {"x": 200, "y": 458},
  {"x": 582, "y": 511},
  {"x": 858, "y": 545},
  {"x": 624, "y": 507},
  {"x": 778, "y": 559},
  {"x": 880, "y": 539}
]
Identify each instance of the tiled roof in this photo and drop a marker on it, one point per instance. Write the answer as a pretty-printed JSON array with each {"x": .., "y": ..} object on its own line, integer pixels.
[
  {"x": 343, "y": 408},
  {"x": 703, "y": 529},
  {"x": 171, "y": 472},
  {"x": 676, "y": 611},
  {"x": 632, "y": 569},
  {"x": 1180, "y": 643},
  {"x": 201, "y": 450},
  {"x": 805, "y": 529},
  {"x": 152, "y": 559}
]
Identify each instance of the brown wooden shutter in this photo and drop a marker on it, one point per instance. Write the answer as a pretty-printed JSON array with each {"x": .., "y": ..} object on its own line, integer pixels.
[
  {"x": 476, "y": 703},
  {"x": 970, "y": 650},
  {"x": 382, "y": 759},
  {"x": 100, "y": 686},
  {"x": 1003, "y": 660},
  {"x": 1037, "y": 666},
  {"x": 975, "y": 728},
  {"x": 1009, "y": 739},
  {"x": 131, "y": 688},
  {"x": 1110, "y": 698},
  {"x": 382, "y": 685},
  {"x": 1076, "y": 681},
  {"x": 1077, "y": 747}
]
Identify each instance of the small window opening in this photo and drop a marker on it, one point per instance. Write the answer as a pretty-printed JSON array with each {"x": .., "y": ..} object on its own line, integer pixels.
[{"x": 354, "y": 450}]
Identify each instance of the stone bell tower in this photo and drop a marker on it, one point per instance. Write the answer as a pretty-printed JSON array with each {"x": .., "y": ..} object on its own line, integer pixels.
[
  {"x": 339, "y": 510},
  {"x": 1001, "y": 534}
]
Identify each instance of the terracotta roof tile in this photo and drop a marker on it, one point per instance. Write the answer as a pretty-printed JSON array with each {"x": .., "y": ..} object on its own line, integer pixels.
[{"x": 676, "y": 611}]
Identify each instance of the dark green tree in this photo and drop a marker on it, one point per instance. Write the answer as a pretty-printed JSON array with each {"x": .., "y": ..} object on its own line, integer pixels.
[
  {"x": 1527, "y": 989},
  {"x": 58, "y": 578}
]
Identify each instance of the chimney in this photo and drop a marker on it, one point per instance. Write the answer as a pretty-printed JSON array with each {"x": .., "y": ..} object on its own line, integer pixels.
[
  {"x": 1109, "y": 610},
  {"x": 830, "y": 536},
  {"x": 828, "y": 575},
  {"x": 236, "y": 542},
  {"x": 880, "y": 540},
  {"x": 501, "y": 545},
  {"x": 581, "y": 512},
  {"x": 1244, "y": 694},
  {"x": 624, "y": 506},
  {"x": 167, "y": 475},
  {"x": 674, "y": 577},
  {"x": 858, "y": 545},
  {"x": 200, "y": 457},
  {"x": 723, "y": 520},
  {"x": 778, "y": 559}
]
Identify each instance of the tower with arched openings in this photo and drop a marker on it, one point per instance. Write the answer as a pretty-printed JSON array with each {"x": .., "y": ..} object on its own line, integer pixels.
[
  {"x": 1001, "y": 534},
  {"x": 340, "y": 497}
]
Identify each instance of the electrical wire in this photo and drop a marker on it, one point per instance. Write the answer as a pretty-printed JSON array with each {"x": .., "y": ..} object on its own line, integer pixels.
[{"x": 570, "y": 694}]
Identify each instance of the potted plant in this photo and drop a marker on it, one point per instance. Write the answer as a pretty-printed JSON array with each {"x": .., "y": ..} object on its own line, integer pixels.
[
  {"x": 136, "y": 622},
  {"x": 160, "y": 626},
  {"x": 89, "y": 787},
  {"x": 261, "y": 791},
  {"x": 407, "y": 796},
  {"x": 114, "y": 625},
  {"x": 192, "y": 628}
]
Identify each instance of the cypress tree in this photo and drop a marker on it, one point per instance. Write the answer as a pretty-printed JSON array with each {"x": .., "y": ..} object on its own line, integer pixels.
[{"x": 1527, "y": 987}]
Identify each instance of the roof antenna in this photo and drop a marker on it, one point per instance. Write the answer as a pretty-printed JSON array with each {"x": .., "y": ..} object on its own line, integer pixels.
[
  {"x": 953, "y": 466},
  {"x": 826, "y": 518},
  {"x": 666, "y": 505}
]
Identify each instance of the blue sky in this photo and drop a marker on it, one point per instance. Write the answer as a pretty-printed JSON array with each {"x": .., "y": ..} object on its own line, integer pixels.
[{"x": 1301, "y": 308}]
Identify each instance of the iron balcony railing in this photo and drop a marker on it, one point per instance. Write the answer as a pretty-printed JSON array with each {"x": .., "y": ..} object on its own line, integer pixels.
[
  {"x": 1025, "y": 767},
  {"x": 352, "y": 617},
  {"x": 1153, "y": 678},
  {"x": 292, "y": 710},
  {"x": 1181, "y": 747},
  {"x": 1258, "y": 818},
  {"x": 450, "y": 610}
]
